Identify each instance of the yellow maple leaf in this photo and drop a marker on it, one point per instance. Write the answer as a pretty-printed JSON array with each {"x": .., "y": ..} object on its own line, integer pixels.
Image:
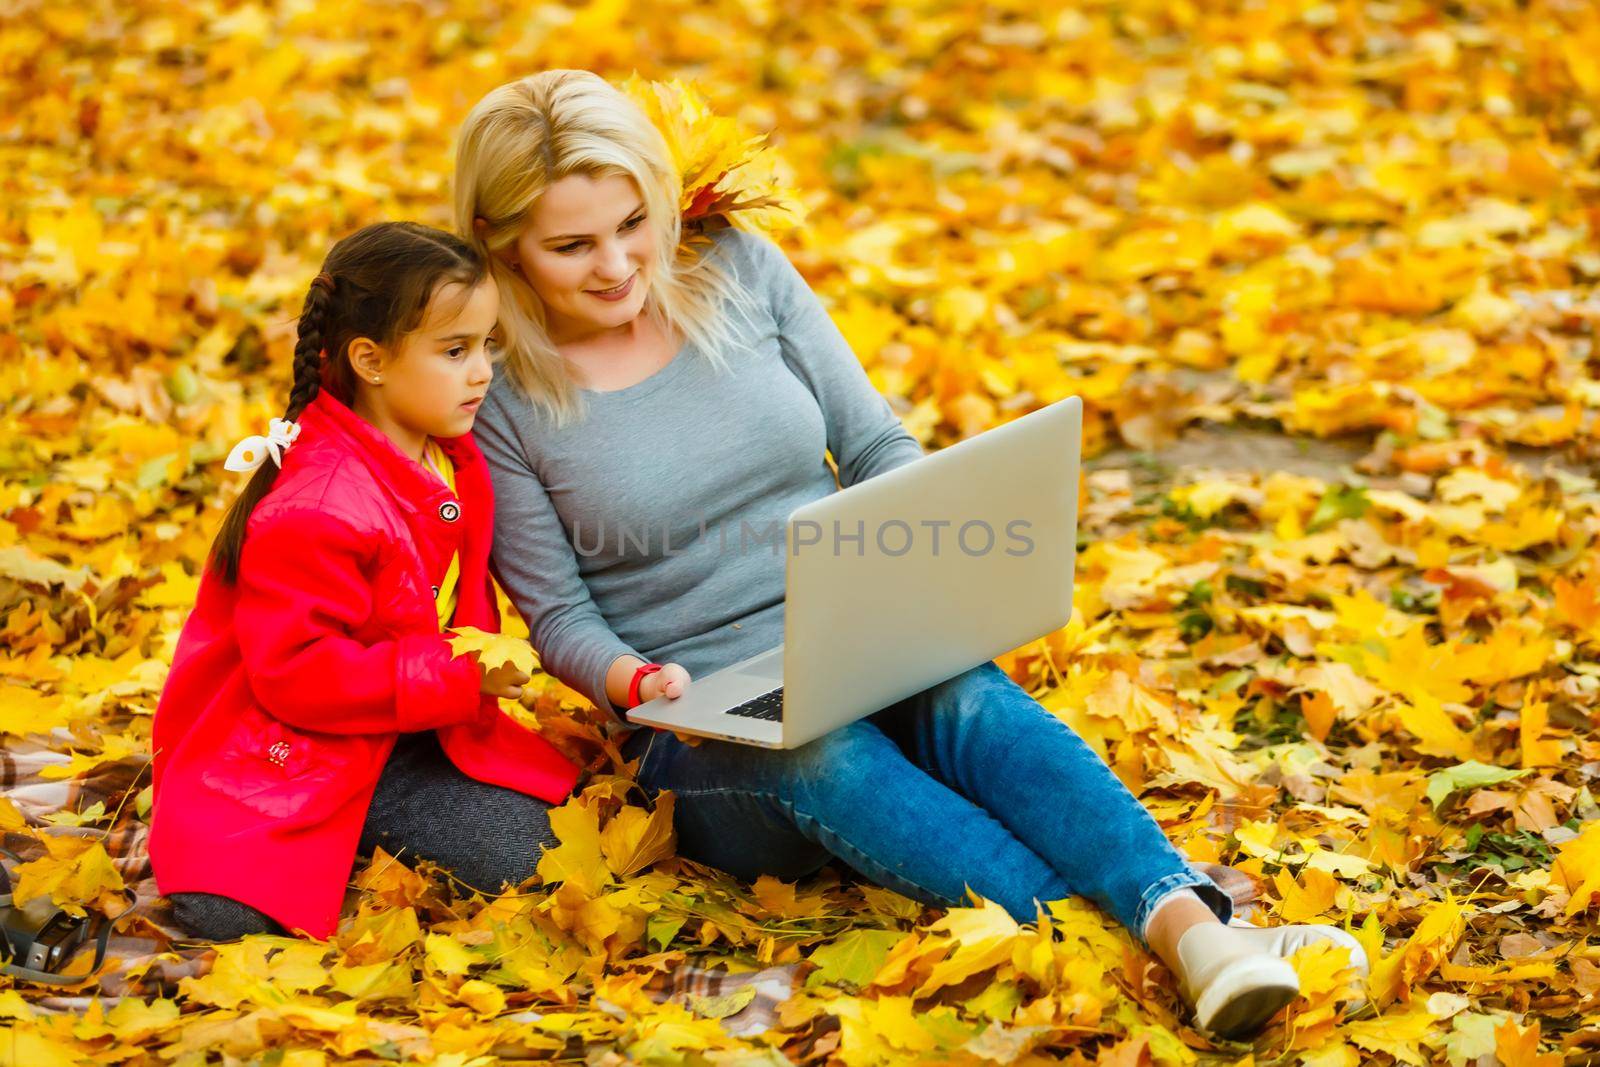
[
  {"x": 1326, "y": 978},
  {"x": 887, "y": 1029},
  {"x": 1363, "y": 614},
  {"x": 1399, "y": 1033},
  {"x": 74, "y": 871},
  {"x": 372, "y": 982},
  {"x": 445, "y": 955},
  {"x": 1531, "y": 526},
  {"x": 1577, "y": 867},
  {"x": 635, "y": 838},
  {"x": 481, "y": 998},
  {"x": 592, "y": 918},
  {"x": 64, "y": 244},
  {"x": 30, "y": 1048},
  {"x": 493, "y": 650},
  {"x": 1578, "y": 603},
  {"x": 981, "y": 937},
  {"x": 578, "y": 860},
  {"x": 1510, "y": 651},
  {"x": 1258, "y": 222},
  {"x": 1418, "y": 670},
  {"x": 1431, "y": 943},
  {"x": 782, "y": 899},
  {"x": 263, "y": 970},
  {"x": 1516, "y": 1046},
  {"x": 1131, "y": 573},
  {"x": 10, "y": 818},
  {"x": 177, "y": 589},
  {"x": 1319, "y": 712},
  {"x": 24, "y": 710},
  {"x": 723, "y": 167},
  {"x": 1537, "y": 750},
  {"x": 1306, "y": 899},
  {"x": 1206, "y": 497},
  {"x": 1437, "y": 733}
]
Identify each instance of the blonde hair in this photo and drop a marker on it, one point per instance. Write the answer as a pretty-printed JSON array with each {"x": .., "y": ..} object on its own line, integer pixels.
[{"x": 529, "y": 134}]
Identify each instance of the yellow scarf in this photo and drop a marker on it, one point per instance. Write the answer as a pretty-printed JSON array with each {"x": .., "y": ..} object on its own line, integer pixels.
[{"x": 446, "y": 598}]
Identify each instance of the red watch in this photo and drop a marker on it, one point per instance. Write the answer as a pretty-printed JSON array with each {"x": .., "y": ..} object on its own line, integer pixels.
[{"x": 639, "y": 676}]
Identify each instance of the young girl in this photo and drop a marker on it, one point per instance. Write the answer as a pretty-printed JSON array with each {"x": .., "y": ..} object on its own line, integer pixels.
[{"x": 314, "y": 708}]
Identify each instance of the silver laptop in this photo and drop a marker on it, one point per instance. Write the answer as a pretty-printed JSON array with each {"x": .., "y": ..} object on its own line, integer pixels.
[{"x": 902, "y": 581}]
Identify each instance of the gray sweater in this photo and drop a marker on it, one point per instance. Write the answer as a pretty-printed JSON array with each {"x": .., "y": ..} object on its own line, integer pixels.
[{"x": 653, "y": 526}]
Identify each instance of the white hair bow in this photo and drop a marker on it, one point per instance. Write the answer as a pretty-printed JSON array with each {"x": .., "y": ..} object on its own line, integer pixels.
[{"x": 250, "y": 453}]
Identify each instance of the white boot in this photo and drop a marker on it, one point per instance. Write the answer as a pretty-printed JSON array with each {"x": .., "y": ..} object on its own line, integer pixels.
[
  {"x": 1285, "y": 941},
  {"x": 1238, "y": 976}
]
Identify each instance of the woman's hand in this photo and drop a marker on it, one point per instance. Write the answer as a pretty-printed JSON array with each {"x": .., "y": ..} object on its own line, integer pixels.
[
  {"x": 504, "y": 681},
  {"x": 670, "y": 681}
]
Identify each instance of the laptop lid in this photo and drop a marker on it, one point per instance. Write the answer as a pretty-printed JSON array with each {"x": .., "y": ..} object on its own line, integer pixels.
[{"x": 924, "y": 571}]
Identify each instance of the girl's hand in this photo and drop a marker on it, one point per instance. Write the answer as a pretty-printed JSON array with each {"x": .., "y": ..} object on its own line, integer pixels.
[
  {"x": 670, "y": 681},
  {"x": 504, "y": 681}
]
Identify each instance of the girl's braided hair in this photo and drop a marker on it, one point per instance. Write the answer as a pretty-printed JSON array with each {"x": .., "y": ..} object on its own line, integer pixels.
[{"x": 376, "y": 283}]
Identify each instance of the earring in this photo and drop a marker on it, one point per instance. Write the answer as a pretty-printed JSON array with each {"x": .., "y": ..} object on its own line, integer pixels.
[{"x": 376, "y": 378}]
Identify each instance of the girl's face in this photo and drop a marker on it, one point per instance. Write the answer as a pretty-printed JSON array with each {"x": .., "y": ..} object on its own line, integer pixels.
[
  {"x": 585, "y": 235},
  {"x": 431, "y": 383}
]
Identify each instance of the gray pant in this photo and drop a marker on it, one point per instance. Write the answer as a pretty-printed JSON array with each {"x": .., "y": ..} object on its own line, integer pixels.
[{"x": 429, "y": 808}]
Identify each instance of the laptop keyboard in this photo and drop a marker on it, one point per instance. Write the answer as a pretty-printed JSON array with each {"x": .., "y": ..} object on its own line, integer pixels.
[{"x": 767, "y": 706}]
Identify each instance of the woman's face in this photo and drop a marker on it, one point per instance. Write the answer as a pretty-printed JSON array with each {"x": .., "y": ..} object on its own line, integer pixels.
[{"x": 585, "y": 235}]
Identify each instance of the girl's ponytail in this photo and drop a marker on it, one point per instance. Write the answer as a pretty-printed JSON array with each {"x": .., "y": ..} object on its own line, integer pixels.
[{"x": 225, "y": 550}]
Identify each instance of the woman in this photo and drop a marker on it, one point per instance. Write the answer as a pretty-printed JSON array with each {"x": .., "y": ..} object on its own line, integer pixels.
[{"x": 646, "y": 397}]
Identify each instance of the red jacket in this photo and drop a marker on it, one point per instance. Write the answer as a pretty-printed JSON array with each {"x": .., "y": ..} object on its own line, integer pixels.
[{"x": 288, "y": 690}]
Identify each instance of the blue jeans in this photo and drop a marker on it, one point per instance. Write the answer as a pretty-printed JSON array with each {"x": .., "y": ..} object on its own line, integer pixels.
[{"x": 968, "y": 783}]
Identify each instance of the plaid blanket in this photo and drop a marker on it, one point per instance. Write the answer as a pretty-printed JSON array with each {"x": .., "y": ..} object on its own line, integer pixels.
[{"x": 148, "y": 953}]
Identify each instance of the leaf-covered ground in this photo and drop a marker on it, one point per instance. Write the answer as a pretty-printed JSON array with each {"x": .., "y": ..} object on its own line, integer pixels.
[{"x": 1375, "y": 690}]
